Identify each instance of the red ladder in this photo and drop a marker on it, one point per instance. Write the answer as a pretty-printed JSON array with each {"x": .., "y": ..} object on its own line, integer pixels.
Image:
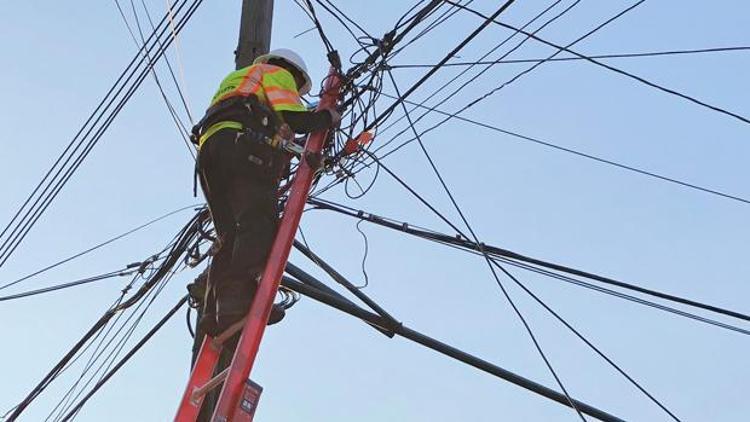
[{"x": 230, "y": 407}]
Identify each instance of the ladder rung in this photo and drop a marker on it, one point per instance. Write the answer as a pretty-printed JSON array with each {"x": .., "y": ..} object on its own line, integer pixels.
[
  {"x": 210, "y": 385},
  {"x": 229, "y": 332}
]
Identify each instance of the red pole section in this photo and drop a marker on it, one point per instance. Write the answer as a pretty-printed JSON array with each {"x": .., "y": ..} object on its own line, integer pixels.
[{"x": 247, "y": 348}]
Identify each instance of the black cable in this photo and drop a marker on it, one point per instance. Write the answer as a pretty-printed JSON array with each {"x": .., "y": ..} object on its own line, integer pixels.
[
  {"x": 443, "y": 348},
  {"x": 364, "y": 255},
  {"x": 180, "y": 93},
  {"x": 520, "y": 74},
  {"x": 143, "y": 307},
  {"x": 620, "y": 71},
  {"x": 326, "y": 42},
  {"x": 185, "y": 237},
  {"x": 80, "y": 131},
  {"x": 581, "y": 154},
  {"x": 34, "y": 213},
  {"x": 438, "y": 21},
  {"x": 125, "y": 359},
  {"x": 533, "y": 264},
  {"x": 458, "y": 209},
  {"x": 567, "y": 59},
  {"x": 95, "y": 247},
  {"x": 112, "y": 274},
  {"x": 432, "y": 71},
  {"x": 181, "y": 127},
  {"x": 482, "y": 72}
]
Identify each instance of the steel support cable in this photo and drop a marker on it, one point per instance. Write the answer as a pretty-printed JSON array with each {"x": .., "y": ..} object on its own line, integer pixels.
[
  {"x": 573, "y": 330},
  {"x": 620, "y": 71},
  {"x": 143, "y": 293},
  {"x": 445, "y": 349},
  {"x": 505, "y": 292},
  {"x": 483, "y": 71},
  {"x": 184, "y": 238},
  {"x": 31, "y": 216},
  {"x": 517, "y": 76},
  {"x": 613, "y": 163},
  {"x": 588, "y": 343},
  {"x": 80, "y": 131},
  {"x": 74, "y": 411},
  {"x": 336, "y": 276},
  {"x": 95, "y": 247},
  {"x": 461, "y": 242},
  {"x": 666, "y": 53},
  {"x": 102, "y": 348}
]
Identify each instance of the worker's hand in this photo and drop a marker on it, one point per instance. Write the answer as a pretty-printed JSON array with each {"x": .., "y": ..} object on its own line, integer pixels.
[
  {"x": 285, "y": 132},
  {"x": 335, "y": 117}
]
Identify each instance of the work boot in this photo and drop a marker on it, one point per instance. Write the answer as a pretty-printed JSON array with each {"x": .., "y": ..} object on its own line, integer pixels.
[
  {"x": 225, "y": 321},
  {"x": 277, "y": 314}
]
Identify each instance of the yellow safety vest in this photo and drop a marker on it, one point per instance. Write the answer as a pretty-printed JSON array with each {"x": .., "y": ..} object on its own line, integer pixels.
[{"x": 273, "y": 85}]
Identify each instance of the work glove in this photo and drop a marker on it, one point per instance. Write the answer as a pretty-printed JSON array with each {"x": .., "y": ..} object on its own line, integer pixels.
[{"x": 335, "y": 117}]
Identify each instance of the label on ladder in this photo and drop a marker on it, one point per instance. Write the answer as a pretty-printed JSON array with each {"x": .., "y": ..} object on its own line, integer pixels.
[{"x": 248, "y": 402}]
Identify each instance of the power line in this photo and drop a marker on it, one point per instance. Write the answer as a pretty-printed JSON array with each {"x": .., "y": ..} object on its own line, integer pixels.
[
  {"x": 617, "y": 70},
  {"x": 579, "y": 153},
  {"x": 568, "y": 59},
  {"x": 442, "y": 348},
  {"x": 483, "y": 71},
  {"x": 77, "y": 408},
  {"x": 517, "y": 76},
  {"x": 458, "y": 209},
  {"x": 71, "y": 155},
  {"x": 432, "y": 71},
  {"x": 97, "y": 246},
  {"x": 112, "y": 274},
  {"x": 187, "y": 236},
  {"x": 542, "y": 267}
]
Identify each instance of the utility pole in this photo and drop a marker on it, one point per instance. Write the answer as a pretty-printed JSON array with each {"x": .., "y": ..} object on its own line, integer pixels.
[
  {"x": 254, "y": 40},
  {"x": 255, "y": 31}
]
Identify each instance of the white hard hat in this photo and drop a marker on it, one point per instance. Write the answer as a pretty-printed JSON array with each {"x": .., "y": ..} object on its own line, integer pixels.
[{"x": 293, "y": 59}]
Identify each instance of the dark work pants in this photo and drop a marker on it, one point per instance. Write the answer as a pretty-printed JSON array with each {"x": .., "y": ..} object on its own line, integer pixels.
[{"x": 239, "y": 177}]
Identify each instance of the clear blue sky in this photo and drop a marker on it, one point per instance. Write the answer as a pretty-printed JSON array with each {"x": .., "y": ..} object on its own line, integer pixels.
[{"x": 60, "y": 57}]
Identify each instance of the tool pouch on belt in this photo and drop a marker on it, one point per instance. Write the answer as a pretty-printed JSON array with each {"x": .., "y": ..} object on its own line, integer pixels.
[
  {"x": 253, "y": 114},
  {"x": 265, "y": 162}
]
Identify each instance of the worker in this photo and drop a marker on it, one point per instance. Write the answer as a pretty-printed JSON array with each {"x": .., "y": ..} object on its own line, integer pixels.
[{"x": 240, "y": 166}]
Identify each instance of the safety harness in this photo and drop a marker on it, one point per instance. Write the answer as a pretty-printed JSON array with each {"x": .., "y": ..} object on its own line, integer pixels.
[{"x": 247, "y": 114}]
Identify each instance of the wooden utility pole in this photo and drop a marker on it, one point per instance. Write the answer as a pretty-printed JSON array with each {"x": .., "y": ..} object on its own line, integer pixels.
[
  {"x": 255, "y": 31},
  {"x": 254, "y": 40}
]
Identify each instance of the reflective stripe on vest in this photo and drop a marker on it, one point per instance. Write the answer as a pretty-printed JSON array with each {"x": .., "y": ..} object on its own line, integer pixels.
[
  {"x": 217, "y": 127},
  {"x": 273, "y": 85}
]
